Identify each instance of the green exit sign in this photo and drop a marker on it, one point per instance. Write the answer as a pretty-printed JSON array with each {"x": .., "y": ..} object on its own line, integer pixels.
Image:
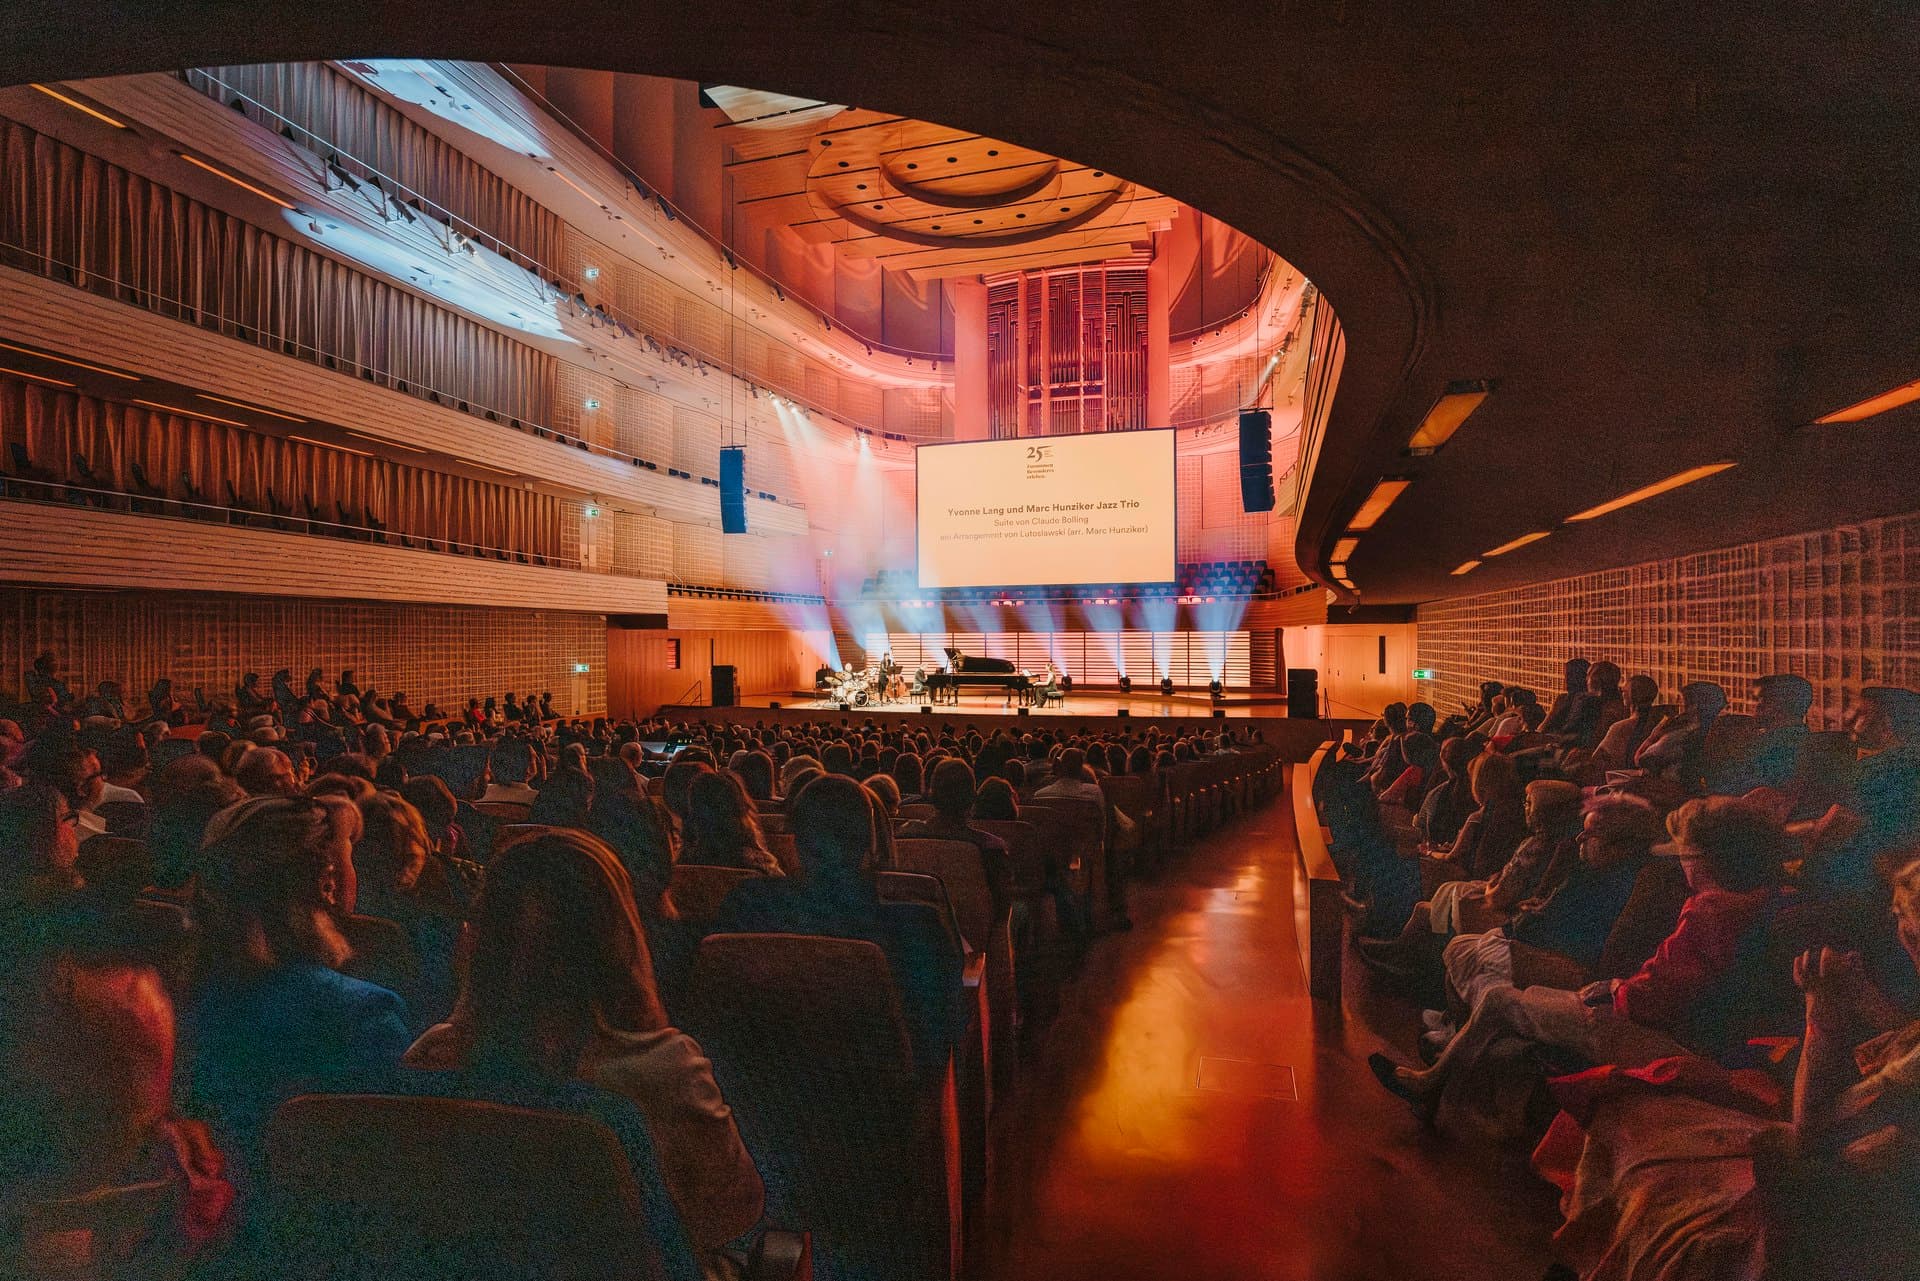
[{"x": 1423, "y": 673}]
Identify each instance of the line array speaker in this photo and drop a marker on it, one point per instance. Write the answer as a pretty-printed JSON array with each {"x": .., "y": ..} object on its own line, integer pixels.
[
  {"x": 733, "y": 490},
  {"x": 1256, "y": 460}
]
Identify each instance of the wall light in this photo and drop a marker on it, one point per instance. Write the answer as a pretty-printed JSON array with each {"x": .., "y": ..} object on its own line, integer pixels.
[
  {"x": 1521, "y": 541},
  {"x": 1868, "y": 408},
  {"x": 81, "y": 107},
  {"x": 1378, "y": 501},
  {"x": 1466, "y": 568},
  {"x": 1455, "y": 406},
  {"x": 241, "y": 183},
  {"x": 237, "y": 404},
  {"x": 68, "y": 360},
  {"x": 1658, "y": 487},
  {"x": 327, "y": 444},
  {"x": 188, "y": 413},
  {"x": 39, "y": 378}
]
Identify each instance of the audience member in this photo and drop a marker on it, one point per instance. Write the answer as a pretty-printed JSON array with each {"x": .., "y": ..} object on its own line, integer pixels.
[{"x": 561, "y": 990}]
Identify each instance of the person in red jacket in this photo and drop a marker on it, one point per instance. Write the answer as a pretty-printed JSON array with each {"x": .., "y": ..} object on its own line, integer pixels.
[{"x": 1697, "y": 992}]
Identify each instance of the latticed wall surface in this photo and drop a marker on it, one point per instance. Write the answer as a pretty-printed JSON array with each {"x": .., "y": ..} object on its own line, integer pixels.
[
  {"x": 441, "y": 654},
  {"x": 1838, "y": 606}
]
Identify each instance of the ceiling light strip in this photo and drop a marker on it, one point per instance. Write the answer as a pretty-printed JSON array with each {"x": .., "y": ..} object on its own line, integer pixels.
[
  {"x": 1658, "y": 487},
  {"x": 1466, "y": 568},
  {"x": 1904, "y": 394},
  {"x": 328, "y": 444},
  {"x": 1521, "y": 541},
  {"x": 1378, "y": 501}
]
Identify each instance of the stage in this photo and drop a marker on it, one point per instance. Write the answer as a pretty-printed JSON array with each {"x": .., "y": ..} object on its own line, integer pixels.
[{"x": 1090, "y": 703}]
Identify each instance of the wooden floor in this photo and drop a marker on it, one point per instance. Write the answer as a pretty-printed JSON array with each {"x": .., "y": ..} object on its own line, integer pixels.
[{"x": 1190, "y": 1113}]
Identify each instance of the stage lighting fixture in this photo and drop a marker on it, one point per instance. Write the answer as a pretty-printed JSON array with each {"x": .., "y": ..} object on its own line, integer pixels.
[
  {"x": 1213, "y": 690},
  {"x": 1166, "y": 687},
  {"x": 1023, "y": 711},
  {"x": 1126, "y": 684},
  {"x": 1219, "y": 713},
  {"x": 846, "y": 707},
  {"x": 1123, "y": 712}
]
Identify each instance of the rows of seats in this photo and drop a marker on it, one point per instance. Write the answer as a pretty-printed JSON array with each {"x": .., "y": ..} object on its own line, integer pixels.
[
  {"x": 858, "y": 926},
  {"x": 1649, "y": 942}
]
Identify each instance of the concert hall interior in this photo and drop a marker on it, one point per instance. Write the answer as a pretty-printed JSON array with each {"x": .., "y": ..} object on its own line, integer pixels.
[{"x": 959, "y": 642}]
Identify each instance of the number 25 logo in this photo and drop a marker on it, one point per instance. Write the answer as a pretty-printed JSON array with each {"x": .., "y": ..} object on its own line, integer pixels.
[{"x": 1036, "y": 453}]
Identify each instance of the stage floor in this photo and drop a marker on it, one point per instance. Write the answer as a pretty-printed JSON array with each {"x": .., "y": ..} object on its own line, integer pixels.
[{"x": 1102, "y": 703}]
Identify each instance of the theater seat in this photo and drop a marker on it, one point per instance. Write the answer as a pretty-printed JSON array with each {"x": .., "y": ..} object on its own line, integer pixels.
[
  {"x": 102, "y": 1235},
  {"x": 425, "y": 1189},
  {"x": 699, "y": 891},
  {"x": 811, "y": 1050}
]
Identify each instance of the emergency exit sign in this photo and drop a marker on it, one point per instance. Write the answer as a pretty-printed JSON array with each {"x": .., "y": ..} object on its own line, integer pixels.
[{"x": 1423, "y": 673}]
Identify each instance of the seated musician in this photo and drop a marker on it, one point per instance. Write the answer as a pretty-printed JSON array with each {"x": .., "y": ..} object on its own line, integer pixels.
[{"x": 919, "y": 689}]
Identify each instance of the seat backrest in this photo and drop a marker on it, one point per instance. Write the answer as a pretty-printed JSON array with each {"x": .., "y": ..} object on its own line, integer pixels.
[
  {"x": 106, "y": 1233},
  {"x": 1651, "y": 912},
  {"x": 918, "y": 887},
  {"x": 918, "y": 810},
  {"x": 505, "y": 811},
  {"x": 427, "y": 1188},
  {"x": 957, "y": 865},
  {"x": 783, "y": 847},
  {"x": 699, "y": 891},
  {"x": 810, "y": 1048},
  {"x": 1022, "y": 838},
  {"x": 383, "y": 954}
]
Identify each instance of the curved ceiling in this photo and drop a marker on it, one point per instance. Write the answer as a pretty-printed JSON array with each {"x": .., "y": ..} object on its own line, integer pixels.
[{"x": 1672, "y": 235}]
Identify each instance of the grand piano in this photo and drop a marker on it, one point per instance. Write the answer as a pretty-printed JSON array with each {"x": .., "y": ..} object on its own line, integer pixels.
[{"x": 969, "y": 671}]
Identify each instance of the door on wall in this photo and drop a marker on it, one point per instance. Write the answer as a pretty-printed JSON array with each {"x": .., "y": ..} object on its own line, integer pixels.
[{"x": 1355, "y": 684}]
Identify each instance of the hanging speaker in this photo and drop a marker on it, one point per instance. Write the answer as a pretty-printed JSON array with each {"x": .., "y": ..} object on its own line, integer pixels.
[
  {"x": 733, "y": 490},
  {"x": 1256, "y": 460}
]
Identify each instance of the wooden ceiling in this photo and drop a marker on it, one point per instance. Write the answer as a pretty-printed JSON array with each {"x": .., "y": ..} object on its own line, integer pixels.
[{"x": 928, "y": 200}]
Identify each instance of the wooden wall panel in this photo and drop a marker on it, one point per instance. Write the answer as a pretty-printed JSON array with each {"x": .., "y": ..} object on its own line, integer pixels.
[
  {"x": 639, "y": 680},
  {"x": 431, "y": 653},
  {"x": 84, "y": 547},
  {"x": 1835, "y": 605}
]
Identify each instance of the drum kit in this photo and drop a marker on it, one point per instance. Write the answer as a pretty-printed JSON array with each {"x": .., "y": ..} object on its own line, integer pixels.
[{"x": 874, "y": 687}]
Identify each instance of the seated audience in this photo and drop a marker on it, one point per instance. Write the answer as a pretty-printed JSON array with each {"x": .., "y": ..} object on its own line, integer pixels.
[
  {"x": 1071, "y": 779},
  {"x": 561, "y": 990},
  {"x": 954, "y": 795},
  {"x": 1700, "y": 990},
  {"x": 842, "y": 837},
  {"x": 721, "y": 827},
  {"x": 272, "y": 1016},
  {"x": 86, "y": 1053}
]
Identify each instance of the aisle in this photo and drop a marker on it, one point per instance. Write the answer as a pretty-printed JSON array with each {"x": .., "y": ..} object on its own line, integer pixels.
[{"x": 1185, "y": 1119}]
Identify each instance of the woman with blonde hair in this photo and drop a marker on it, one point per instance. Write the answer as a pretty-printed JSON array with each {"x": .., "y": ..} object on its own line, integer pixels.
[
  {"x": 272, "y": 1016},
  {"x": 560, "y": 989}
]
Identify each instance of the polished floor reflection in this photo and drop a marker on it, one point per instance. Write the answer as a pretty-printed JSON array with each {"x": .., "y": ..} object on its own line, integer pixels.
[{"x": 1190, "y": 1114}]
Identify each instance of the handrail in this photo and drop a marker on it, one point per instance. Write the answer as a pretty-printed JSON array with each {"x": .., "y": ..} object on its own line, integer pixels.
[
  {"x": 11, "y": 486},
  {"x": 693, "y": 693},
  {"x": 50, "y": 268},
  {"x": 1318, "y": 891},
  {"x": 550, "y": 275}
]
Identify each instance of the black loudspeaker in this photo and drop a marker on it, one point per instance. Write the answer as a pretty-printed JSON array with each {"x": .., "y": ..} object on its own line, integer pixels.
[
  {"x": 1303, "y": 693},
  {"x": 1021, "y": 712},
  {"x": 773, "y": 706},
  {"x": 1256, "y": 460},
  {"x": 725, "y": 694},
  {"x": 1123, "y": 713},
  {"x": 1219, "y": 714},
  {"x": 926, "y": 710},
  {"x": 733, "y": 490}
]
